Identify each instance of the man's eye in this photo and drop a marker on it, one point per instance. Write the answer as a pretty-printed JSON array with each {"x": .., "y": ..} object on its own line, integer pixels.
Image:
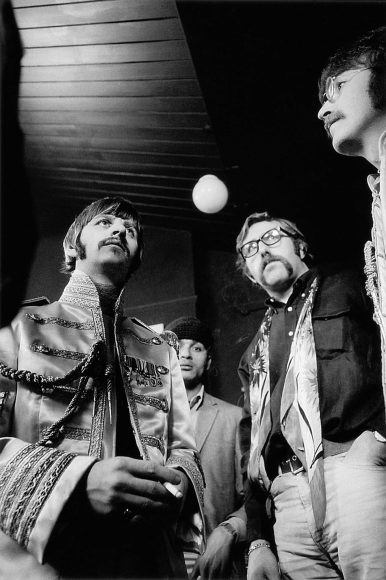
[
  {"x": 103, "y": 221},
  {"x": 131, "y": 231},
  {"x": 340, "y": 84}
]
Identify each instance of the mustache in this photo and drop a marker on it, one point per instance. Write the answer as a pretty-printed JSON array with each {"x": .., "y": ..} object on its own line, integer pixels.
[
  {"x": 114, "y": 241},
  {"x": 268, "y": 258},
  {"x": 330, "y": 119}
]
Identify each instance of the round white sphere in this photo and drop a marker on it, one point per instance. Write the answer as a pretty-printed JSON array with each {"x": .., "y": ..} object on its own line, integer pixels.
[{"x": 210, "y": 194}]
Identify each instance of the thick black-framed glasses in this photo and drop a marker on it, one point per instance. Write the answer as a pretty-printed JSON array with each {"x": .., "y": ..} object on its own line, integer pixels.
[{"x": 270, "y": 238}]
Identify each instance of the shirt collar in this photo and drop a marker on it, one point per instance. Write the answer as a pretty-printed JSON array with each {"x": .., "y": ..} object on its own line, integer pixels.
[{"x": 196, "y": 401}]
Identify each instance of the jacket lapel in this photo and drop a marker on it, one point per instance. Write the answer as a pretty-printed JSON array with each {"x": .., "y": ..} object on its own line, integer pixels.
[{"x": 205, "y": 419}]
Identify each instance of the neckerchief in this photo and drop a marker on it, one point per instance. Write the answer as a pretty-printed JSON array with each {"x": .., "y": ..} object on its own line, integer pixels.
[{"x": 299, "y": 413}]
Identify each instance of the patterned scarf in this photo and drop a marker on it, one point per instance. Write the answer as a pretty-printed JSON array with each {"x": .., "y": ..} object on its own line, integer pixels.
[{"x": 299, "y": 412}]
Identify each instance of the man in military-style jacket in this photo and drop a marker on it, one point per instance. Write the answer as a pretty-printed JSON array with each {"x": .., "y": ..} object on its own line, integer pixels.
[{"x": 99, "y": 476}]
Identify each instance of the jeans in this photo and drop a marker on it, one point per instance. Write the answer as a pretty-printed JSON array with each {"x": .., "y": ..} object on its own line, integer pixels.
[{"x": 353, "y": 543}]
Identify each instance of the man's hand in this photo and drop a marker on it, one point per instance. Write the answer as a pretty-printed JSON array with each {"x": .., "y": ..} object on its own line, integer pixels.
[
  {"x": 263, "y": 565},
  {"x": 120, "y": 483},
  {"x": 366, "y": 450},
  {"x": 216, "y": 561}
]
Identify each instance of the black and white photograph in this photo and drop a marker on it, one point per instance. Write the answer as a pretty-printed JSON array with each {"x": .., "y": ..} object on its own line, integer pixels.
[{"x": 193, "y": 289}]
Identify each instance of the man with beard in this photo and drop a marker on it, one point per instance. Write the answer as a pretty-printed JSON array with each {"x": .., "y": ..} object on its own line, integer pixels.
[
  {"x": 314, "y": 418},
  {"x": 99, "y": 471},
  {"x": 216, "y": 426}
]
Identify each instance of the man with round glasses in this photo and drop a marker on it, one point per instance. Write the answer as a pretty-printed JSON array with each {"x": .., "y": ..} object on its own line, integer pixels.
[
  {"x": 352, "y": 91},
  {"x": 313, "y": 418}
]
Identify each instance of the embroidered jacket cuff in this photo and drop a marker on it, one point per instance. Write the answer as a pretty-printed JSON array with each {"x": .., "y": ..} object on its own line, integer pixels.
[{"x": 36, "y": 482}]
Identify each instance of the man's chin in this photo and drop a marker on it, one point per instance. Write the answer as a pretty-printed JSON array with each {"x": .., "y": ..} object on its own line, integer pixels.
[
  {"x": 277, "y": 281},
  {"x": 275, "y": 273},
  {"x": 345, "y": 145},
  {"x": 190, "y": 383}
]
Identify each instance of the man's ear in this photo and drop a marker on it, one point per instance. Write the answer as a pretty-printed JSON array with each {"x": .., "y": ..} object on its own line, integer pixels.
[
  {"x": 72, "y": 252},
  {"x": 302, "y": 251},
  {"x": 208, "y": 362}
]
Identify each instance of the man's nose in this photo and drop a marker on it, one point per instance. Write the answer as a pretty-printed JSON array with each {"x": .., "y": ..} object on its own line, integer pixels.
[
  {"x": 263, "y": 250},
  {"x": 185, "y": 352},
  {"x": 324, "y": 110},
  {"x": 118, "y": 227}
]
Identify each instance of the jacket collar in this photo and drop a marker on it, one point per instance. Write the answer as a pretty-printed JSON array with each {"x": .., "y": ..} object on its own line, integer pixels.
[{"x": 81, "y": 291}]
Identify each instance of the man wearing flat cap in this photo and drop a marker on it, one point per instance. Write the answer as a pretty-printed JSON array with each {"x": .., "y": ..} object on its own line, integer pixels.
[{"x": 216, "y": 429}]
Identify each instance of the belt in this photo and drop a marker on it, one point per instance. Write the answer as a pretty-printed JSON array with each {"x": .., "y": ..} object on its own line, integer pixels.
[{"x": 292, "y": 464}]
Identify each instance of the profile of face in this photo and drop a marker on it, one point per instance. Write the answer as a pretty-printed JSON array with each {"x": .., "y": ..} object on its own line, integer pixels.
[
  {"x": 109, "y": 245},
  {"x": 194, "y": 361},
  {"x": 275, "y": 267},
  {"x": 349, "y": 117}
]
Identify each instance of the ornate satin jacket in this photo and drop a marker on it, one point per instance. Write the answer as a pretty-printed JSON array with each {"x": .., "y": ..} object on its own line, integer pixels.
[
  {"x": 58, "y": 408},
  {"x": 375, "y": 251}
]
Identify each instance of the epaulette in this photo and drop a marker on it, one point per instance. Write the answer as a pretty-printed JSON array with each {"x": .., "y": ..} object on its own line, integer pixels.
[
  {"x": 171, "y": 338},
  {"x": 167, "y": 335},
  {"x": 39, "y": 301}
]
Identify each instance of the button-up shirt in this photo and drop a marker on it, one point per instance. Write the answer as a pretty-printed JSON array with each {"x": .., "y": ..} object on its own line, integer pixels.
[
  {"x": 348, "y": 356},
  {"x": 348, "y": 353},
  {"x": 284, "y": 320},
  {"x": 194, "y": 404}
]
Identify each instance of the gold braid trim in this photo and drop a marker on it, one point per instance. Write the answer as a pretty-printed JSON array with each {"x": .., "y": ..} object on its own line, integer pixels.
[
  {"x": 27, "y": 482},
  {"x": 35, "y": 379},
  {"x": 193, "y": 469},
  {"x": 56, "y": 432}
]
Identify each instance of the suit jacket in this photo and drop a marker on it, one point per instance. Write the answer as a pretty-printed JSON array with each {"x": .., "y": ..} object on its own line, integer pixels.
[{"x": 217, "y": 441}]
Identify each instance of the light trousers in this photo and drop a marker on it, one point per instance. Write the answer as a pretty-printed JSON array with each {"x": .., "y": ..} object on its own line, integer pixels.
[{"x": 353, "y": 541}]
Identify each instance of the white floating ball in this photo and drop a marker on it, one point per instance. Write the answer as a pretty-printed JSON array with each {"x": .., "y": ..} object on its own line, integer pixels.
[{"x": 210, "y": 194}]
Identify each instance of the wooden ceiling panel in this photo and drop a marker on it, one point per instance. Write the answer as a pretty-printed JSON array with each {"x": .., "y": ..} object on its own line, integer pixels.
[
  {"x": 107, "y": 53},
  {"x": 110, "y": 103},
  {"x": 75, "y": 156},
  {"x": 180, "y": 69},
  {"x": 123, "y": 104},
  {"x": 43, "y": 13},
  {"x": 119, "y": 88},
  {"x": 175, "y": 148},
  {"x": 139, "y": 31}
]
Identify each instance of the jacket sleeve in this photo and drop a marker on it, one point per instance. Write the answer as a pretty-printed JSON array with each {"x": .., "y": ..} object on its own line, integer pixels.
[
  {"x": 238, "y": 518},
  {"x": 35, "y": 481},
  {"x": 258, "y": 524},
  {"x": 182, "y": 454}
]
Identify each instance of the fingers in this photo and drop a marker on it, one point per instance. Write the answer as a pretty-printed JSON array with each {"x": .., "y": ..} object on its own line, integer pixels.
[
  {"x": 123, "y": 483},
  {"x": 148, "y": 470}
]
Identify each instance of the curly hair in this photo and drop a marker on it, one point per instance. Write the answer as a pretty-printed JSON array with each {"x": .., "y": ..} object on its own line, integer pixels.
[
  {"x": 117, "y": 206},
  {"x": 367, "y": 51},
  {"x": 296, "y": 235}
]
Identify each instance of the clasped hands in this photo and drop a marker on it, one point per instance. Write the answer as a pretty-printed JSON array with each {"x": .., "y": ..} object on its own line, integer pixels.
[{"x": 126, "y": 485}]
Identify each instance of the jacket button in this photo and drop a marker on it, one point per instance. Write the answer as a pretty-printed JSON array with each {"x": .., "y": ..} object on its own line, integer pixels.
[
  {"x": 156, "y": 340},
  {"x": 162, "y": 370}
]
